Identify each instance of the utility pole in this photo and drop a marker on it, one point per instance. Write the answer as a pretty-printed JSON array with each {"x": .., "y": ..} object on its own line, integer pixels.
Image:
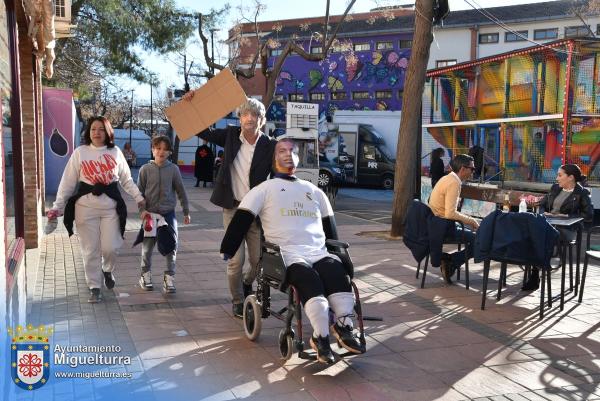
[
  {"x": 151, "y": 114},
  {"x": 131, "y": 120}
]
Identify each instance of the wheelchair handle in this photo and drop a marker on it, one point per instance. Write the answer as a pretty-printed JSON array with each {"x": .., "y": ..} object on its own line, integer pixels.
[{"x": 336, "y": 243}]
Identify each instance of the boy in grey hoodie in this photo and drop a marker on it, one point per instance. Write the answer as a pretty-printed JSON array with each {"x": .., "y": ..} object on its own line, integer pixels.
[{"x": 159, "y": 180}]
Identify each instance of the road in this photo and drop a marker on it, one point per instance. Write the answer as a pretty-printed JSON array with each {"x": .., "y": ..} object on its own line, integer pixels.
[{"x": 374, "y": 205}]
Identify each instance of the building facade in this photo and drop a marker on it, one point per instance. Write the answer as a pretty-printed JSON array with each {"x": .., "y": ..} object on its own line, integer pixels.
[
  {"x": 365, "y": 69},
  {"x": 23, "y": 59}
]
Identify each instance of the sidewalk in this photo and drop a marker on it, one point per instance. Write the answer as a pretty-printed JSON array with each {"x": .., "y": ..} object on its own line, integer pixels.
[{"x": 433, "y": 343}]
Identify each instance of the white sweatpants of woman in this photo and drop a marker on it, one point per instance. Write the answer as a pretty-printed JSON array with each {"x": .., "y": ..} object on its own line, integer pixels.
[{"x": 100, "y": 239}]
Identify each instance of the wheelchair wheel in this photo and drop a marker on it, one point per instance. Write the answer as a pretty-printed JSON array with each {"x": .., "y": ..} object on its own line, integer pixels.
[
  {"x": 252, "y": 317},
  {"x": 286, "y": 344}
]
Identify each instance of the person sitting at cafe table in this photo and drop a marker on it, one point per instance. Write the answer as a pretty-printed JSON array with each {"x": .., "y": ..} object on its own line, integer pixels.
[
  {"x": 444, "y": 203},
  {"x": 567, "y": 198}
]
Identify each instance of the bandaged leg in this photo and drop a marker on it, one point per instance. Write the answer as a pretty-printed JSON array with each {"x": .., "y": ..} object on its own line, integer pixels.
[
  {"x": 342, "y": 304},
  {"x": 317, "y": 310}
]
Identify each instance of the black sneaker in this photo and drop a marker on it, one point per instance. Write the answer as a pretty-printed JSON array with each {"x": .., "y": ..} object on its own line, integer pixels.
[
  {"x": 323, "y": 348},
  {"x": 247, "y": 289},
  {"x": 238, "y": 310},
  {"x": 446, "y": 269},
  {"x": 346, "y": 338},
  {"x": 109, "y": 280},
  {"x": 95, "y": 296}
]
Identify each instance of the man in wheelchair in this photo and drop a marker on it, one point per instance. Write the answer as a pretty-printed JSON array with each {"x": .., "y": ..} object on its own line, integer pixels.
[{"x": 297, "y": 216}]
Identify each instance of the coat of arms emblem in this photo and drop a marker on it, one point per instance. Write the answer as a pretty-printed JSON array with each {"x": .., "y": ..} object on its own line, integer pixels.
[{"x": 30, "y": 356}]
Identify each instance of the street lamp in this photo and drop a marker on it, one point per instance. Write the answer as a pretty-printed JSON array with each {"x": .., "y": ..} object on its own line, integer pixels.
[{"x": 131, "y": 120}]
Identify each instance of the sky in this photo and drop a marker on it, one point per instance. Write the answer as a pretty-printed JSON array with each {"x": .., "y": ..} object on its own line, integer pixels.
[{"x": 170, "y": 74}]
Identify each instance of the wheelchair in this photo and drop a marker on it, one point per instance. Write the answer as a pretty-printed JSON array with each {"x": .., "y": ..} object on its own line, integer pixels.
[{"x": 271, "y": 274}]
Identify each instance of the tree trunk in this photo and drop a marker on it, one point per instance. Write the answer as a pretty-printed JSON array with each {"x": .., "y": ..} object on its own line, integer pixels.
[{"x": 406, "y": 152}]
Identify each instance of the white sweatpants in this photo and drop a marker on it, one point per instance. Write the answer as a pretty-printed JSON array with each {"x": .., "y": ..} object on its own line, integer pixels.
[{"x": 100, "y": 239}]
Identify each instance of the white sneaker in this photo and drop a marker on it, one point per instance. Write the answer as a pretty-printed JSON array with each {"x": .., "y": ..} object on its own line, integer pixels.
[
  {"x": 169, "y": 284},
  {"x": 146, "y": 281}
]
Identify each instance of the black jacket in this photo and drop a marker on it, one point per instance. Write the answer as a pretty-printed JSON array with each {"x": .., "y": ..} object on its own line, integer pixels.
[
  {"x": 424, "y": 232},
  {"x": 523, "y": 238},
  {"x": 578, "y": 204},
  {"x": 229, "y": 139},
  {"x": 111, "y": 190}
]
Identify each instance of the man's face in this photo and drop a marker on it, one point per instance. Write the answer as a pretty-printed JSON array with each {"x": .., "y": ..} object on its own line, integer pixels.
[
  {"x": 249, "y": 122},
  {"x": 286, "y": 157},
  {"x": 467, "y": 172}
]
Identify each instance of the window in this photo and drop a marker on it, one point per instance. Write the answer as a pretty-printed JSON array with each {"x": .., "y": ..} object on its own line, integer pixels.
[
  {"x": 543, "y": 34},
  {"x": 444, "y": 63},
  {"x": 383, "y": 94},
  {"x": 488, "y": 38},
  {"x": 316, "y": 50},
  {"x": 576, "y": 31},
  {"x": 400, "y": 94},
  {"x": 59, "y": 8},
  {"x": 278, "y": 98},
  {"x": 317, "y": 96},
  {"x": 405, "y": 43},
  {"x": 371, "y": 153},
  {"x": 360, "y": 95},
  {"x": 338, "y": 96},
  {"x": 276, "y": 52},
  {"x": 337, "y": 47},
  {"x": 519, "y": 36},
  {"x": 296, "y": 97},
  {"x": 361, "y": 47},
  {"x": 384, "y": 45}
]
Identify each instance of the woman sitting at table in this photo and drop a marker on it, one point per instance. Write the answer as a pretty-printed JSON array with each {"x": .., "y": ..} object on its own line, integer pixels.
[{"x": 567, "y": 198}]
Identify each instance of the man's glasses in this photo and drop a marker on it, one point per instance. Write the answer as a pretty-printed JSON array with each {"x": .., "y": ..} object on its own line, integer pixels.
[{"x": 472, "y": 168}]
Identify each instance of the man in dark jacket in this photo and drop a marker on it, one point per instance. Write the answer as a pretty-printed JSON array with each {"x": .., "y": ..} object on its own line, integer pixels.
[{"x": 247, "y": 158}]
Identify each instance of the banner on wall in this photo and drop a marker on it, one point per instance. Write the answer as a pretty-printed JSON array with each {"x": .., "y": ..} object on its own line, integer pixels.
[{"x": 59, "y": 134}]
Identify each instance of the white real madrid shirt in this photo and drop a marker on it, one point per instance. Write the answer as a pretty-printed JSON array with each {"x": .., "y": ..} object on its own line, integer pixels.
[{"x": 290, "y": 213}]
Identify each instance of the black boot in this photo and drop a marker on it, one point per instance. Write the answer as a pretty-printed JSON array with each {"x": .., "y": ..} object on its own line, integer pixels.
[{"x": 197, "y": 183}]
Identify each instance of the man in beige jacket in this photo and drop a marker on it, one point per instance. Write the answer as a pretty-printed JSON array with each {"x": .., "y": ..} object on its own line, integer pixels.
[{"x": 444, "y": 203}]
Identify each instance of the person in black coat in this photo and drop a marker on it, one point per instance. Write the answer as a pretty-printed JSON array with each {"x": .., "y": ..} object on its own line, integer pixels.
[
  {"x": 436, "y": 167},
  {"x": 203, "y": 166},
  {"x": 247, "y": 160},
  {"x": 567, "y": 198}
]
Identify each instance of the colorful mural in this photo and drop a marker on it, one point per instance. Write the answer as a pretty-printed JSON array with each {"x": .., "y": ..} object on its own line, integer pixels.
[
  {"x": 510, "y": 111},
  {"x": 367, "y": 79}
]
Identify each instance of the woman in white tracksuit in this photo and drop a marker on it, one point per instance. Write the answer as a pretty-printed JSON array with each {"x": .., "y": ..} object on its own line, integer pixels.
[{"x": 89, "y": 195}]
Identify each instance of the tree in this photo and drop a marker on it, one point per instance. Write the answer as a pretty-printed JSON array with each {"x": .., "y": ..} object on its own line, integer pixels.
[
  {"x": 406, "y": 152},
  {"x": 109, "y": 36},
  {"x": 327, "y": 36}
]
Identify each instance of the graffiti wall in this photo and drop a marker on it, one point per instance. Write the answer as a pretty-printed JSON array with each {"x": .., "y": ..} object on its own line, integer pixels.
[{"x": 362, "y": 74}]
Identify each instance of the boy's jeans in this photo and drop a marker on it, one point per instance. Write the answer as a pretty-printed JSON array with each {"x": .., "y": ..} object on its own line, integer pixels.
[{"x": 148, "y": 246}]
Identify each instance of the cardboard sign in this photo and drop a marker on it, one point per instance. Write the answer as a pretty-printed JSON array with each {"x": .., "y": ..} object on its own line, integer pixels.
[{"x": 211, "y": 102}]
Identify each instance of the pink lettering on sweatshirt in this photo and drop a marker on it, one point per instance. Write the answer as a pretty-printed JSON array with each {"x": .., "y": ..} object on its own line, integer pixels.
[{"x": 101, "y": 171}]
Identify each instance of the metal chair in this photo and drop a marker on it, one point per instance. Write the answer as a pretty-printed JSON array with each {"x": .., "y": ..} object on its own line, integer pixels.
[
  {"x": 591, "y": 252},
  {"x": 460, "y": 242}
]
